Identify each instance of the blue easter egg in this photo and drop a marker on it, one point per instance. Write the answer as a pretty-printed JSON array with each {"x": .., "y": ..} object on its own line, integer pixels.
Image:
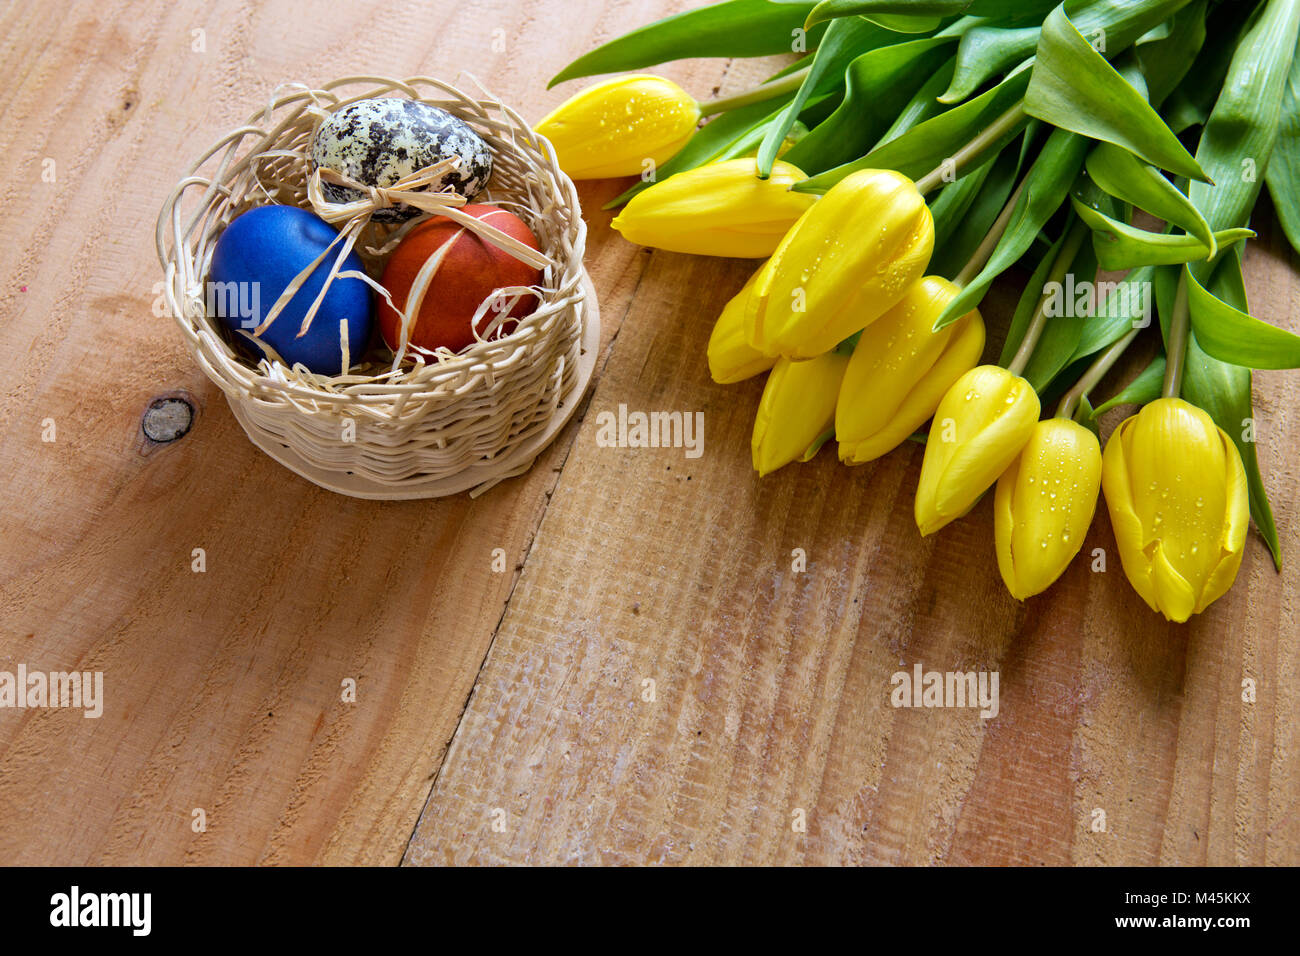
[{"x": 257, "y": 257}]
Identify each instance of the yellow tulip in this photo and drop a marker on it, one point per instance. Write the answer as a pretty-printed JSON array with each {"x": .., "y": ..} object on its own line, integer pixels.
[
  {"x": 614, "y": 127},
  {"x": 798, "y": 407},
  {"x": 900, "y": 370},
  {"x": 846, "y": 262},
  {"x": 1176, "y": 491},
  {"x": 731, "y": 358},
  {"x": 1044, "y": 504},
  {"x": 980, "y": 426},
  {"x": 722, "y": 209}
]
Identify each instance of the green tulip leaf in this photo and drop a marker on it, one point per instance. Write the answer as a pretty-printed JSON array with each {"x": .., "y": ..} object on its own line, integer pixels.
[
  {"x": 1066, "y": 301},
  {"x": 1046, "y": 186},
  {"x": 836, "y": 9},
  {"x": 902, "y": 23},
  {"x": 1127, "y": 178},
  {"x": 845, "y": 40},
  {"x": 989, "y": 49},
  {"x": 949, "y": 208},
  {"x": 1283, "y": 172},
  {"x": 911, "y": 11},
  {"x": 731, "y": 28},
  {"x": 939, "y": 137},
  {"x": 1231, "y": 335},
  {"x": 1116, "y": 25},
  {"x": 923, "y": 105},
  {"x": 1065, "y": 322},
  {"x": 1075, "y": 88},
  {"x": 965, "y": 210},
  {"x": 1155, "y": 34},
  {"x": 878, "y": 84},
  {"x": 926, "y": 145},
  {"x": 985, "y": 52},
  {"x": 1143, "y": 389},
  {"x": 1086, "y": 417},
  {"x": 1193, "y": 98},
  {"x": 1124, "y": 305},
  {"x": 1121, "y": 246},
  {"x": 1030, "y": 296},
  {"x": 1240, "y": 134},
  {"x": 1165, "y": 60}
]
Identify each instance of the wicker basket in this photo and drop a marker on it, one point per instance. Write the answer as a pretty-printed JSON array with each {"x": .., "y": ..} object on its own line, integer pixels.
[{"x": 438, "y": 427}]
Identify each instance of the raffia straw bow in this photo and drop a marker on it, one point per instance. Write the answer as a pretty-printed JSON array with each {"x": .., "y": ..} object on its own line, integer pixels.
[{"x": 356, "y": 214}]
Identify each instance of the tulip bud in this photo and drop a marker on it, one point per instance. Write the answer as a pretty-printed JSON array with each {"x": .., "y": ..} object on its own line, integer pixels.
[
  {"x": 1176, "y": 491},
  {"x": 731, "y": 357},
  {"x": 979, "y": 428},
  {"x": 847, "y": 261},
  {"x": 797, "y": 408},
  {"x": 722, "y": 209},
  {"x": 612, "y": 128},
  {"x": 900, "y": 370},
  {"x": 1044, "y": 504}
]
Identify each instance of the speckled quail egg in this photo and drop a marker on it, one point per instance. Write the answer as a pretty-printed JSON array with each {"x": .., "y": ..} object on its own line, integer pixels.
[{"x": 379, "y": 141}]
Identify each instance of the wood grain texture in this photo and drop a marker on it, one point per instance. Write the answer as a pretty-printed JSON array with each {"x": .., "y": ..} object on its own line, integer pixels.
[
  {"x": 771, "y": 687},
  {"x": 223, "y": 688}
]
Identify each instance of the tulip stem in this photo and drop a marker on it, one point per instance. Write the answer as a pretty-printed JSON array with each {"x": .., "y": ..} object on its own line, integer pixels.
[
  {"x": 1096, "y": 372},
  {"x": 1176, "y": 346},
  {"x": 990, "y": 242},
  {"x": 1060, "y": 265},
  {"x": 764, "y": 91},
  {"x": 956, "y": 165}
]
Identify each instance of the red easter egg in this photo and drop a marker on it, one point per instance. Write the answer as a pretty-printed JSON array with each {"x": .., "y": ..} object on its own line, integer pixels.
[{"x": 465, "y": 270}]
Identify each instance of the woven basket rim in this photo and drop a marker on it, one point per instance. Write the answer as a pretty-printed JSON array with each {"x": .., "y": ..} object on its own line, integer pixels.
[{"x": 232, "y": 370}]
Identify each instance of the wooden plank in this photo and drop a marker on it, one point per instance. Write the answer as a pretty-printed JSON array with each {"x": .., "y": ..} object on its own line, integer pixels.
[
  {"x": 223, "y": 688},
  {"x": 772, "y": 688}
]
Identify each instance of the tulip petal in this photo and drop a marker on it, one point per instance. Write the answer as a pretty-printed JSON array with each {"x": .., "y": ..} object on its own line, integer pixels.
[
  {"x": 731, "y": 358},
  {"x": 1044, "y": 504},
  {"x": 892, "y": 354},
  {"x": 1176, "y": 596},
  {"x": 1237, "y": 513},
  {"x": 1004, "y": 523},
  {"x": 980, "y": 426},
  {"x": 1236, "y": 522},
  {"x": 1129, "y": 535},
  {"x": 797, "y": 407},
  {"x": 917, "y": 406},
  {"x": 978, "y": 462},
  {"x": 1221, "y": 579},
  {"x": 722, "y": 209},
  {"x": 614, "y": 127},
  {"x": 828, "y": 279}
]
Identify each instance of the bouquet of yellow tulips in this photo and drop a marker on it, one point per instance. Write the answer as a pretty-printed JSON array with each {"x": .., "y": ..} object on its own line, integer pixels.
[{"x": 917, "y": 151}]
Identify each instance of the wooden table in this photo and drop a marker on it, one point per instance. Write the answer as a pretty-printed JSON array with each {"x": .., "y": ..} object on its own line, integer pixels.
[{"x": 649, "y": 680}]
